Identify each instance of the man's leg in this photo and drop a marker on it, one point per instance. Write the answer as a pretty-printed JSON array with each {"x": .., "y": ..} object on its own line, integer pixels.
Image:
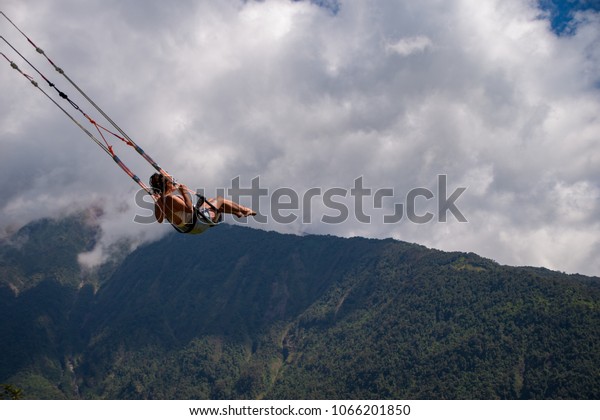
[{"x": 230, "y": 207}]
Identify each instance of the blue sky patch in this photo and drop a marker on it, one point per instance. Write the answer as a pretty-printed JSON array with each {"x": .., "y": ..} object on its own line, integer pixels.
[{"x": 562, "y": 13}]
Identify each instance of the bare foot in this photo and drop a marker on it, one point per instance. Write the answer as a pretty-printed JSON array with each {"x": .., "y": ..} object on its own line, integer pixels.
[{"x": 245, "y": 212}]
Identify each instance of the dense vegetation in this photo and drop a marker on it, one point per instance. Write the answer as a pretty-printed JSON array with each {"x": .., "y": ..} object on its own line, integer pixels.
[{"x": 242, "y": 313}]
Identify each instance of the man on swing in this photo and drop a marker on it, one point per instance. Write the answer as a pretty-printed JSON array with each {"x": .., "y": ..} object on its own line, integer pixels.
[{"x": 174, "y": 203}]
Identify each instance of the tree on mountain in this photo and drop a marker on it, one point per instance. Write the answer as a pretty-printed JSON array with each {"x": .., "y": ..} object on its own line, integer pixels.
[{"x": 9, "y": 392}]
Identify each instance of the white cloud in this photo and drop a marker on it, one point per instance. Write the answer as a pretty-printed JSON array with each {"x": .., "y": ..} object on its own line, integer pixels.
[
  {"x": 481, "y": 91},
  {"x": 408, "y": 46}
]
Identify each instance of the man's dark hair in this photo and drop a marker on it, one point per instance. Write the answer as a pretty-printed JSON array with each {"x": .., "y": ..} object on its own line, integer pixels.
[{"x": 157, "y": 182}]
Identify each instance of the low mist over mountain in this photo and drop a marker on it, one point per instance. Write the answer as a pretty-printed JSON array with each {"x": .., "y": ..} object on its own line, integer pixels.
[{"x": 242, "y": 313}]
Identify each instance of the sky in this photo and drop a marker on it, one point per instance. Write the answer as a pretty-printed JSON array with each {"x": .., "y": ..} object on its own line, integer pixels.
[{"x": 480, "y": 121}]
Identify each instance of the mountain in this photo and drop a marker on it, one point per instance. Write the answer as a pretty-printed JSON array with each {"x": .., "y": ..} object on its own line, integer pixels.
[{"x": 240, "y": 313}]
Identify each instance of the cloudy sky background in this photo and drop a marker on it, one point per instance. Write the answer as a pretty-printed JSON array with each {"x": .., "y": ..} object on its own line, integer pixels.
[{"x": 314, "y": 95}]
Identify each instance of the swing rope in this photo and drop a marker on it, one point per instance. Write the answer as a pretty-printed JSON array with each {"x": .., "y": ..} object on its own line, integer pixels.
[{"x": 104, "y": 144}]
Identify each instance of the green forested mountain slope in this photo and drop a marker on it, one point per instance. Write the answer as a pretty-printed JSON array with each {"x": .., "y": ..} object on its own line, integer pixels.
[{"x": 242, "y": 313}]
